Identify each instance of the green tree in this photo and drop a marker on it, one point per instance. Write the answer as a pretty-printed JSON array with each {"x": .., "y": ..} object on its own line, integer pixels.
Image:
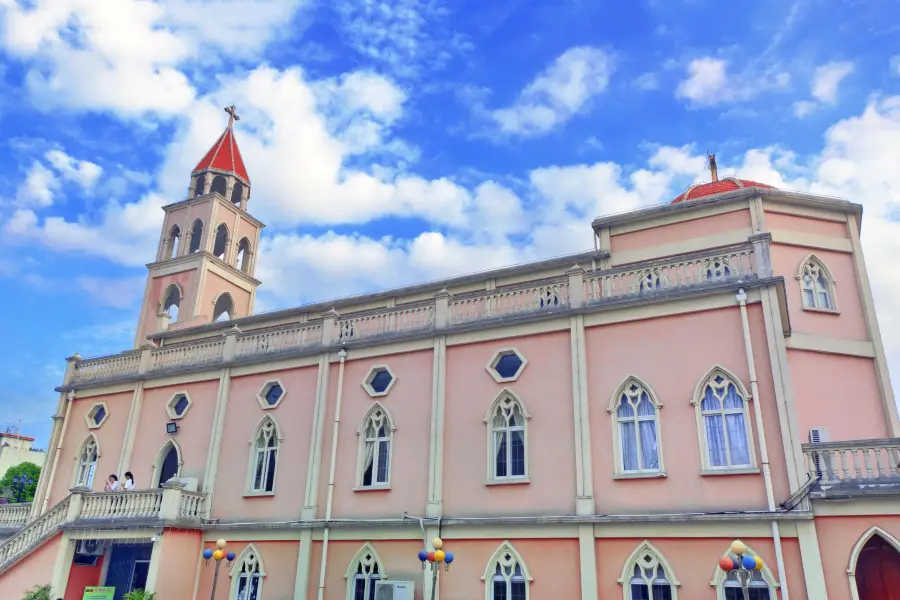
[
  {"x": 38, "y": 592},
  {"x": 139, "y": 595},
  {"x": 28, "y": 469}
]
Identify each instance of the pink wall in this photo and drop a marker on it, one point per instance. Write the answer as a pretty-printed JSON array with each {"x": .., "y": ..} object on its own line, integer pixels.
[
  {"x": 279, "y": 560},
  {"x": 193, "y": 431},
  {"x": 837, "y": 392},
  {"x": 837, "y": 537},
  {"x": 409, "y": 405},
  {"x": 81, "y": 577},
  {"x": 187, "y": 280},
  {"x": 34, "y": 569},
  {"x": 806, "y": 225},
  {"x": 109, "y": 435},
  {"x": 294, "y": 418},
  {"x": 214, "y": 286},
  {"x": 175, "y": 217},
  {"x": 680, "y": 232},
  {"x": 545, "y": 387},
  {"x": 399, "y": 558},
  {"x": 178, "y": 558},
  {"x": 248, "y": 230},
  {"x": 672, "y": 363},
  {"x": 850, "y": 323}
]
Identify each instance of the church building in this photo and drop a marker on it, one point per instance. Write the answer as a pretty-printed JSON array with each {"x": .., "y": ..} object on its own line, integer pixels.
[{"x": 698, "y": 407}]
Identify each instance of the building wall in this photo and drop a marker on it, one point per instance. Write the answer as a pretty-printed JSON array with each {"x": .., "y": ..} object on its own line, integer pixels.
[
  {"x": 213, "y": 286},
  {"x": 178, "y": 552},
  {"x": 279, "y": 562},
  {"x": 34, "y": 569},
  {"x": 15, "y": 452}
]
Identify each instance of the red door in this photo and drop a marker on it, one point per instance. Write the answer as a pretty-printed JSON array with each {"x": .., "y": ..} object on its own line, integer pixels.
[{"x": 878, "y": 571}]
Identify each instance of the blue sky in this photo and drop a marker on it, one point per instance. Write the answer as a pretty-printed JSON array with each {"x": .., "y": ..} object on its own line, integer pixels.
[{"x": 393, "y": 142}]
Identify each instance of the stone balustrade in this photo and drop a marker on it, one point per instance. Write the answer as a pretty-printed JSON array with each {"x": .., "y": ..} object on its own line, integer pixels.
[
  {"x": 14, "y": 515},
  {"x": 573, "y": 290},
  {"x": 857, "y": 465},
  {"x": 171, "y": 503}
]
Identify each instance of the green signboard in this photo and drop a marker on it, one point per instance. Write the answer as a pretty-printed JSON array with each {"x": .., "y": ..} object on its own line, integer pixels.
[{"x": 99, "y": 593}]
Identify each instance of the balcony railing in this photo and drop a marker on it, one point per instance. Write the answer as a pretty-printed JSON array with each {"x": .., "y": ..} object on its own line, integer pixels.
[
  {"x": 14, "y": 515},
  {"x": 575, "y": 289},
  {"x": 857, "y": 466}
]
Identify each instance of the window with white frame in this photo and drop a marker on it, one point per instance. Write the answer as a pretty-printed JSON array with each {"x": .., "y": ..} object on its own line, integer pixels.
[
  {"x": 247, "y": 576},
  {"x": 87, "y": 464},
  {"x": 647, "y": 576},
  {"x": 506, "y": 577},
  {"x": 508, "y": 451},
  {"x": 362, "y": 574},
  {"x": 264, "y": 457},
  {"x": 636, "y": 428},
  {"x": 724, "y": 422},
  {"x": 759, "y": 588},
  {"x": 376, "y": 437},
  {"x": 816, "y": 285}
]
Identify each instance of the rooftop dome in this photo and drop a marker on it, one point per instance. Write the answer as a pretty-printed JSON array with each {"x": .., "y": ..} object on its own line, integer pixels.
[{"x": 717, "y": 186}]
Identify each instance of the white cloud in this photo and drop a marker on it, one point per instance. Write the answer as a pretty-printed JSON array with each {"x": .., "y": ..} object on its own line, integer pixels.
[
  {"x": 709, "y": 82},
  {"x": 83, "y": 172},
  {"x": 126, "y": 56},
  {"x": 41, "y": 183},
  {"x": 38, "y": 187},
  {"x": 828, "y": 78},
  {"x": 558, "y": 93},
  {"x": 803, "y": 108}
]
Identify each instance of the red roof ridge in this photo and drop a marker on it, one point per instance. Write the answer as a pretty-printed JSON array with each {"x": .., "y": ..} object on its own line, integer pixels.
[
  {"x": 224, "y": 156},
  {"x": 719, "y": 186}
]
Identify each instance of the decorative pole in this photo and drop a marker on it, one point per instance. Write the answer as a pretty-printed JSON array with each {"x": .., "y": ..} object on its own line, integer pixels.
[
  {"x": 432, "y": 560},
  {"x": 19, "y": 483},
  {"x": 742, "y": 564},
  {"x": 218, "y": 555}
]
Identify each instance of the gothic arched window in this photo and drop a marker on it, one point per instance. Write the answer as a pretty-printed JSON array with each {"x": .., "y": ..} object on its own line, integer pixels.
[
  {"x": 218, "y": 185},
  {"x": 816, "y": 285},
  {"x": 648, "y": 576},
  {"x": 507, "y": 420},
  {"x": 264, "y": 457},
  {"x": 506, "y": 576},
  {"x": 636, "y": 432},
  {"x": 723, "y": 421},
  {"x": 223, "y": 309},
  {"x": 365, "y": 569},
  {"x": 376, "y": 436},
  {"x": 196, "y": 236},
  {"x": 86, "y": 466},
  {"x": 247, "y": 575}
]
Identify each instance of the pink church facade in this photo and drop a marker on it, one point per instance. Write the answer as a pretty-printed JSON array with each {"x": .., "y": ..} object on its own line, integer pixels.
[{"x": 601, "y": 425}]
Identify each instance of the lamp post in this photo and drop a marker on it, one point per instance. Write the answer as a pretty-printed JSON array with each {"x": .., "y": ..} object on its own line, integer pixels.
[
  {"x": 19, "y": 483},
  {"x": 432, "y": 560},
  {"x": 743, "y": 565},
  {"x": 217, "y": 555}
]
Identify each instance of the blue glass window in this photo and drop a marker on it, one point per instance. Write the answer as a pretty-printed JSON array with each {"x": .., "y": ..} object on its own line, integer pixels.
[
  {"x": 274, "y": 394},
  {"x": 99, "y": 415},
  {"x": 380, "y": 381},
  {"x": 181, "y": 405},
  {"x": 508, "y": 365}
]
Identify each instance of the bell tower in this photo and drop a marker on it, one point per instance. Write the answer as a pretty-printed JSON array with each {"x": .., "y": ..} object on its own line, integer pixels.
[{"x": 207, "y": 252}]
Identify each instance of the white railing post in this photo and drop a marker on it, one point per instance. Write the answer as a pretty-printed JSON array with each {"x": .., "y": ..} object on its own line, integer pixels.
[
  {"x": 329, "y": 328},
  {"x": 442, "y": 309},
  {"x": 146, "y": 359},
  {"x": 71, "y": 367},
  {"x": 576, "y": 286},
  {"x": 76, "y": 501},
  {"x": 229, "y": 350},
  {"x": 170, "y": 508},
  {"x": 762, "y": 262}
]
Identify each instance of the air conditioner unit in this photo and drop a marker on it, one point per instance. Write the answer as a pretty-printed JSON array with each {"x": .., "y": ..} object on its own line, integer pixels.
[
  {"x": 821, "y": 461},
  {"x": 90, "y": 547},
  {"x": 394, "y": 590}
]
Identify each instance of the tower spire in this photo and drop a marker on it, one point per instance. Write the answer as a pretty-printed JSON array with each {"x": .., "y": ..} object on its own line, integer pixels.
[{"x": 712, "y": 166}]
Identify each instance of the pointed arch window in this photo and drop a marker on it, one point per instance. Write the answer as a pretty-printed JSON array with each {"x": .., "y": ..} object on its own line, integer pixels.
[
  {"x": 220, "y": 245},
  {"x": 874, "y": 564},
  {"x": 242, "y": 261},
  {"x": 376, "y": 440},
  {"x": 648, "y": 576},
  {"x": 636, "y": 431},
  {"x": 266, "y": 443},
  {"x": 507, "y": 439},
  {"x": 170, "y": 249},
  {"x": 87, "y": 463},
  {"x": 723, "y": 422},
  {"x": 168, "y": 463},
  {"x": 223, "y": 308},
  {"x": 219, "y": 185},
  {"x": 199, "y": 184},
  {"x": 237, "y": 193},
  {"x": 172, "y": 301},
  {"x": 506, "y": 576},
  {"x": 365, "y": 569},
  {"x": 247, "y": 575},
  {"x": 196, "y": 236},
  {"x": 816, "y": 285},
  {"x": 763, "y": 585}
]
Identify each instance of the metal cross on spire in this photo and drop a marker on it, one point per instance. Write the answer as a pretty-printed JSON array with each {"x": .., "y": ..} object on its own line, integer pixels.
[
  {"x": 232, "y": 115},
  {"x": 713, "y": 169}
]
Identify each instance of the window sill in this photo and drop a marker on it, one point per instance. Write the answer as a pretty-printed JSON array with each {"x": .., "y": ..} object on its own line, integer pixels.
[
  {"x": 259, "y": 494},
  {"x": 516, "y": 481},
  {"x": 737, "y": 471},
  {"x": 824, "y": 311},
  {"x": 373, "y": 488},
  {"x": 642, "y": 475}
]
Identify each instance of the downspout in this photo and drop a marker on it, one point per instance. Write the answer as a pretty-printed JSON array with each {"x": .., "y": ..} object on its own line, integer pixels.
[
  {"x": 59, "y": 443},
  {"x": 334, "y": 445},
  {"x": 763, "y": 451}
]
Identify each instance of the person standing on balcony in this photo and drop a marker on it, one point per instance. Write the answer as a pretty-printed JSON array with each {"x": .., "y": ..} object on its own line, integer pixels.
[
  {"x": 112, "y": 484},
  {"x": 129, "y": 481}
]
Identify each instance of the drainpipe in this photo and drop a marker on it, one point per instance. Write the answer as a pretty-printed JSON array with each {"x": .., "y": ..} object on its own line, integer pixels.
[
  {"x": 763, "y": 451},
  {"x": 70, "y": 397},
  {"x": 334, "y": 445}
]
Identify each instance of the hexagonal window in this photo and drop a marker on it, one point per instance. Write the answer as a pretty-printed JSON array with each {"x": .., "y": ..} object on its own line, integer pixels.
[
  {"x": 379, "y": 381},
  {"x": 506, "y": 365},
  {"x": 97, "y": 415},
  {"x": 271, "y": 394},
  {"x": 178, "y": 405}
]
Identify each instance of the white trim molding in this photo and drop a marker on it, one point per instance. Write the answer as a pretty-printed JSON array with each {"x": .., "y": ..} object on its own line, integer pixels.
[
  {"x": 264, "y": 391},
  {"x": 648, "y": 558},
  {"x": 90, "y": 418},
  {"x": 507, "y": 558},
  {"x": 173, "y": 401},
  {"x": 374, "y": 371},
  {"x": 370, "y": 562},
  {"x": 500, "y": 355}
]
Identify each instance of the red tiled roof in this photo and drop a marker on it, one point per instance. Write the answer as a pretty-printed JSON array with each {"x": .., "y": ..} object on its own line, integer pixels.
[
  {"x": 225, "y": 156},
  {"x": 16, "y": 437},
  {"x": 728, "y": 184}
]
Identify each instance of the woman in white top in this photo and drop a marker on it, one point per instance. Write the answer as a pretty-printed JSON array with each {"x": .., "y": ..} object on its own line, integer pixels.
[
  {"x": 112, "y": 484},
  {"x": 129, "y": 481}
]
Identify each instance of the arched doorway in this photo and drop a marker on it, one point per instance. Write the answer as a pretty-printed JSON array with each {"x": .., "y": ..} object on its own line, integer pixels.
[
  {"x": 878, "y": 571},
  {"x": 168, "y": 468}
]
